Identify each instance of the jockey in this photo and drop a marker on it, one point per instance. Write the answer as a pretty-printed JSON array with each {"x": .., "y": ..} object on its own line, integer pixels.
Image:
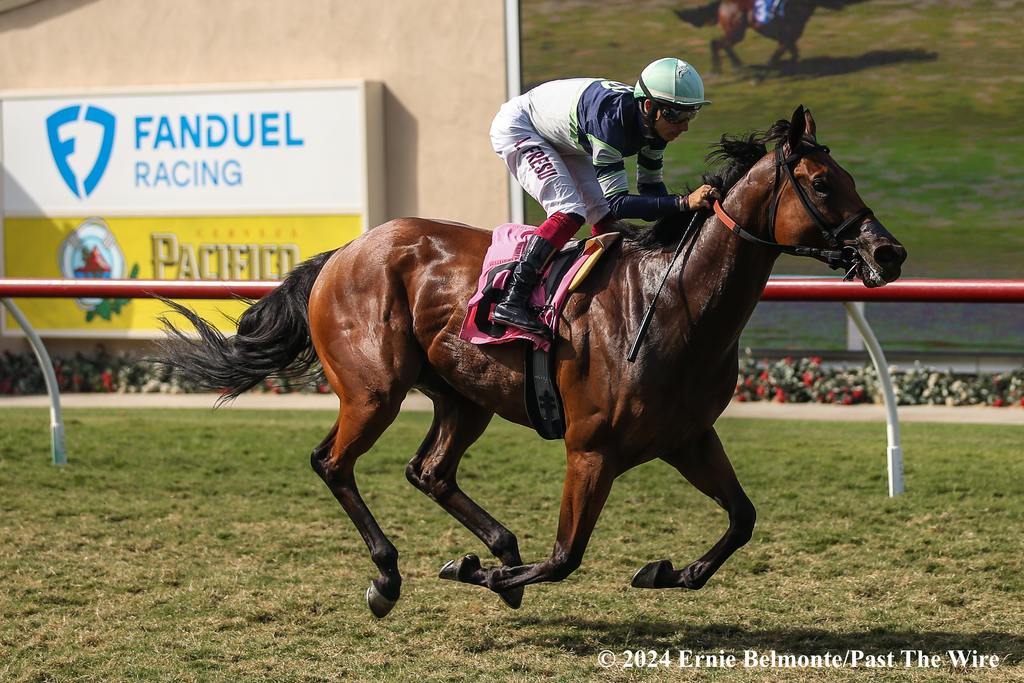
[
  {"x": 565, "y": 141},
  {"x": 767, "y": 10}
]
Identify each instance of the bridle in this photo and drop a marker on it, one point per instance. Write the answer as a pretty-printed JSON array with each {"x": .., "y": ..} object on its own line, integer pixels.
[{"x": 840, "y": 254}]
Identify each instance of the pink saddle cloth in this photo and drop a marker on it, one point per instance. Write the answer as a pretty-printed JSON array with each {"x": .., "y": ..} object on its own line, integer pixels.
[{"x": 507, "y": 244}]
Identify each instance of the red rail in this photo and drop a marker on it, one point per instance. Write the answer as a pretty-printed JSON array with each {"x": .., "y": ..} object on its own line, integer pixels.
[{"x": 778, "y": 289}]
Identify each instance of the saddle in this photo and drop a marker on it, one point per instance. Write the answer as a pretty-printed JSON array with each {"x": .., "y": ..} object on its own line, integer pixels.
[{"x": 566, "y": 270}]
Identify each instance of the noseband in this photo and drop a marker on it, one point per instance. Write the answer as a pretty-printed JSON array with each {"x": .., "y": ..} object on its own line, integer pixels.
[{"x": 840, "y": 254}]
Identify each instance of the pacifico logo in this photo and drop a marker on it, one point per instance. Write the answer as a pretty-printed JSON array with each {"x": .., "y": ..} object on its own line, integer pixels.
[{"x": 63, "y": 146}]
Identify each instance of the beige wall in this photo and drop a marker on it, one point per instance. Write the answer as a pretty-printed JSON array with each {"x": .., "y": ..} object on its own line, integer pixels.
[{"x": 442, "y": 63}]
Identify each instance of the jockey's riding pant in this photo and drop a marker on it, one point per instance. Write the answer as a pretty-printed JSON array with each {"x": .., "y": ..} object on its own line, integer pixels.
[{"x": 560, "y": 180}]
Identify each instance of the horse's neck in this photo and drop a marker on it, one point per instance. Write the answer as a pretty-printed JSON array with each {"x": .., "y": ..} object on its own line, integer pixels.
[{"x": 724, "y": 274}]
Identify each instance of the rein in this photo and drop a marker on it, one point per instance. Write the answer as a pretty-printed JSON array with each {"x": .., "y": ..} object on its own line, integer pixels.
[{"x": 839, "y": 255}]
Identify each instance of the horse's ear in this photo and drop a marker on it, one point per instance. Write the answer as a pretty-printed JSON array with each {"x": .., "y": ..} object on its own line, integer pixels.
[
  {"x": 810, "y": 128},
  {"x": 796, "y": 128}
]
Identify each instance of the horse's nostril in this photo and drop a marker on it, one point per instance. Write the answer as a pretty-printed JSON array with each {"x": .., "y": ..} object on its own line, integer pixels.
[{"x": 887, "y": 255}]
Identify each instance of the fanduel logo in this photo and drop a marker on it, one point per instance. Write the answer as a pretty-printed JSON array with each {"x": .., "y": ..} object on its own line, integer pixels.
[{"x": 64, "y": 147}]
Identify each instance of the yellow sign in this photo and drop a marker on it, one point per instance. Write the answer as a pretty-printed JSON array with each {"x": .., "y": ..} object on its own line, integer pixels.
[{"x": 163, "y": 248}]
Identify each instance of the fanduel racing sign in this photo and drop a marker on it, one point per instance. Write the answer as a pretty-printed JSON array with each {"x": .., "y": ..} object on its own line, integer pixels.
[
  {"x": 211, "y": 184},
  {"x": 186, "y": 153}
]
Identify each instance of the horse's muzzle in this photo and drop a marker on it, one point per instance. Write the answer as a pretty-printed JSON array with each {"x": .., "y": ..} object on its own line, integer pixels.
[{"x": 882, "y": 255}]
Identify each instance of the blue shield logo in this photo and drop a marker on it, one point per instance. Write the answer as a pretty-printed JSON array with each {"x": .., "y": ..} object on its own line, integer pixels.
[{"x": 62, "y": 148}]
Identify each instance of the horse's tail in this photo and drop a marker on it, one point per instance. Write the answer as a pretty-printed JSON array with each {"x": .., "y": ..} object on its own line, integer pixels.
[
  {"x": 705, "y": 15},
  {"x": 836, "y": 4},
  {"x": 272, "y": 339}
]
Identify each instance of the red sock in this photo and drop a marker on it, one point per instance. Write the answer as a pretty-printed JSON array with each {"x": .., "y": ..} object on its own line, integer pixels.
[
  {"x": 602, "y": 226},
  {"x": 559, "y": 227}
]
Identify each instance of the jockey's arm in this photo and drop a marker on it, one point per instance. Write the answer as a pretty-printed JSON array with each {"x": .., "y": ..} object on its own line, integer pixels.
[{"x": 654, "y": 201}]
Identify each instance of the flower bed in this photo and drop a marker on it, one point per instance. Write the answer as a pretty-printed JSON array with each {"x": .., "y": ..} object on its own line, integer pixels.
[
  {"x": 797, "y": 380},
  {"x": 805, "y": 380}
]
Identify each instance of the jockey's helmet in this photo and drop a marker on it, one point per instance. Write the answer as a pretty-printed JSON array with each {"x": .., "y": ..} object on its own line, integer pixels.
[{"x": 671, "y": 82}]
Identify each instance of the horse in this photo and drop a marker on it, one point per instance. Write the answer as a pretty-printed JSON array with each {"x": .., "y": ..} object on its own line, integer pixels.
[
  {"x": 382, "y": 315},
  {"x": 734, "y": 16}
]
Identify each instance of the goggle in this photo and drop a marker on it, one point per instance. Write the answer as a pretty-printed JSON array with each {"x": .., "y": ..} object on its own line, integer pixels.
[{"x": 678, "y": 114}]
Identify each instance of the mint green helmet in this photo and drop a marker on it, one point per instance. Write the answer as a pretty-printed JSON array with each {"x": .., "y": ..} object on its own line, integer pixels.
[{"x": 671, "y": 81}]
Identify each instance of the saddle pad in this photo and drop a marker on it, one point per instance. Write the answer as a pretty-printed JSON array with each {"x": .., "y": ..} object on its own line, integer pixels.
[{"x": 562, "y": 276}]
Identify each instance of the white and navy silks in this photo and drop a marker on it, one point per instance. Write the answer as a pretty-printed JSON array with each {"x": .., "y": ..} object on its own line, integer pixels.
[
  {"x": 565, "y": 141},
  {"x": 767, "y": 10}
]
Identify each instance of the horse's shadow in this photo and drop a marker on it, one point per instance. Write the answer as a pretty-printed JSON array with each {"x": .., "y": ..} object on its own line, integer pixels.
[
  {"x": 816, "y": 67},
  {"x": 588, "y": 637}
]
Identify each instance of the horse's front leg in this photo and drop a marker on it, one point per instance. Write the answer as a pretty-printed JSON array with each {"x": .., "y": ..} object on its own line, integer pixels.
[
  {"x": 588, "y": 480},
  {"x": 704, "y": 463}
]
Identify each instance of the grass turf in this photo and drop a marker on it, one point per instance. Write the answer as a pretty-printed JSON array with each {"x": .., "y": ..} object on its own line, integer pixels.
[{"x": 192, "y": 545}]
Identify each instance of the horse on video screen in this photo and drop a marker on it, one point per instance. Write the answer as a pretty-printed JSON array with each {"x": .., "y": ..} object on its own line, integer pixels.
[
  {"x": 382, "y": 315},
  {"x": 734, "y": 16}
]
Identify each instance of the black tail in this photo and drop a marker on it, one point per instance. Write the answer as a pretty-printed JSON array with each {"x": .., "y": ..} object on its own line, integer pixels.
[
  {"x": 705, "y": 15},
  {"x": 272, "y": 339},
  {"x": 836, "y": 4}
]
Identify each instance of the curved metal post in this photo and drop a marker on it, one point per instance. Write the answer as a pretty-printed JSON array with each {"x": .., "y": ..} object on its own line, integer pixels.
[
  {"x": 60, "y": 456},
  {"x": 895, "y": 451}
]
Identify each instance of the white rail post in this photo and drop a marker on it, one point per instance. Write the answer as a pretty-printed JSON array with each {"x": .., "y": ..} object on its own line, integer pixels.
[
  {"x": 60, "y": 455},
  {"x": 895, "y": 451},
  {"x": 513, "y": 87}
]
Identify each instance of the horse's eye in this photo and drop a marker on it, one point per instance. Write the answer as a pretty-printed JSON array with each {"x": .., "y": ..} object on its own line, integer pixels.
[{"x": 821, "y": 186}]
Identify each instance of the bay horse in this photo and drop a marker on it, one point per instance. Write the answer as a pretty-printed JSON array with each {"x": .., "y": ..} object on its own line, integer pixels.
[
  {"x": 382, "y": 315},
  {"x": 735, "y": 16}
]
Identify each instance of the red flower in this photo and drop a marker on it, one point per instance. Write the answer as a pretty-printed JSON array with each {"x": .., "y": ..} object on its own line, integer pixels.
[
  {"x": 998, "y": 403},
  {"x": 764, "y": 375},
  {"x": 847, "y": 400},
  {"x": 108, "y": 380},
  {"x": 858, "y": 394},
  {"x": 741, "y": 397},
  {"x": 808, "y": 378},
  {"x": 816, "y": 360},
  {"x": 760, "y": 390},
  {"x": 780, "y": 395}
]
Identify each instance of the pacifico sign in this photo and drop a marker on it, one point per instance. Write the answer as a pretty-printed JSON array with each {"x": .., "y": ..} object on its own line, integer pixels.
[{"x": 219, "y": 183}]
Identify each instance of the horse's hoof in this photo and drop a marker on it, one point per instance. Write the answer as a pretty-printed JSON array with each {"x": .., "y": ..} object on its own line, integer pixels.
[
  {"x": 653, "y": 575},
  {"x": 378, "y": 603},
  {"x": 513, "y": 597},
  {"x": 461, "y": 569}
]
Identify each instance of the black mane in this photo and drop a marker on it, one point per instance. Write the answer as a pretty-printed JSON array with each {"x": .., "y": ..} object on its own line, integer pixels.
[{"x": 729, "y": 161}]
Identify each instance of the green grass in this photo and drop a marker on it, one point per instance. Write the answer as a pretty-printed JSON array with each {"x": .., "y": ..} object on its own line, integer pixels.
[
  {"x": 192, "y": 545},
  {"x": 933, "y": 137}
]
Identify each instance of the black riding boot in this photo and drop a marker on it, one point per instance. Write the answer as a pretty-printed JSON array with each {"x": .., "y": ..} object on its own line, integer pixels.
[{"x": 514, "y": 309}]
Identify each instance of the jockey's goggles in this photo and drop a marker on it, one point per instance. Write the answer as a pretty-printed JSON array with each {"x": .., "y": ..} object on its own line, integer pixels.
[{"x": 678, "y": 114}]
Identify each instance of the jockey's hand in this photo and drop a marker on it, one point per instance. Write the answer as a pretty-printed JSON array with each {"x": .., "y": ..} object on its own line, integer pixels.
[{"x": 702, "y": 198}]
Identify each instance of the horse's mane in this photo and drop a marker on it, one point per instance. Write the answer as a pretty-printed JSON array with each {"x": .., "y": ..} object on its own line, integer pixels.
[{"x": 728, "y": 162}]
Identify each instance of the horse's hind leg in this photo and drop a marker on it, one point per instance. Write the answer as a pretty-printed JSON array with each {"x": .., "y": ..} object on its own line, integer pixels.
[
  {"x": 360, "y": 424},
  {"x": 457, "y": 424},
  {"x": 705, "y": 464}
]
